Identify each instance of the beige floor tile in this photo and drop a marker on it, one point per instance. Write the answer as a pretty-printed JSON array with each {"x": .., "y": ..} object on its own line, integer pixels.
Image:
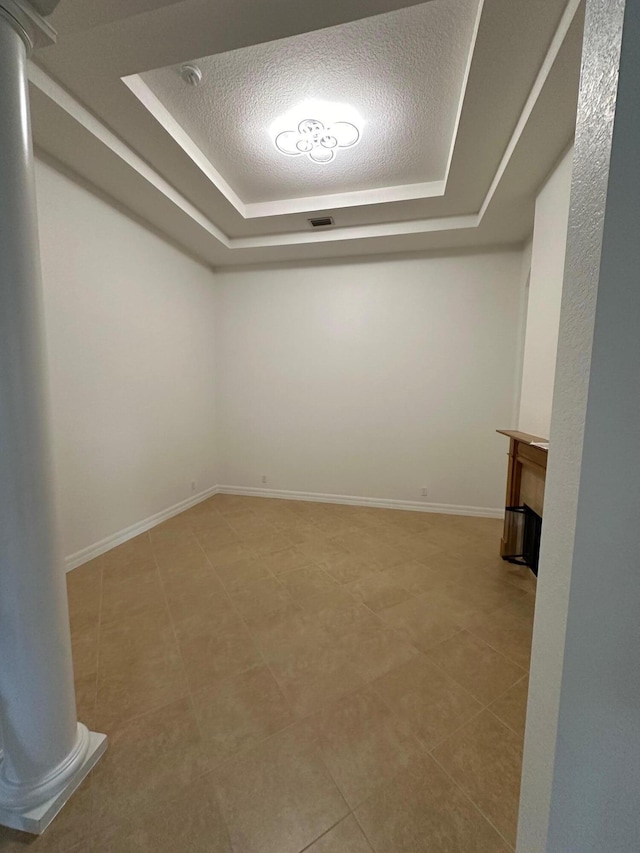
[
  {"x": 283, "y": 570},
  {"x": 464, "y": 602},
  {"x": 204, "y": 617},
  {"x": 363, "y": 743},
  {"x": 71, "y": 828},
  {"x": 240, "y": 712},
  {"x": 202, "y": 595},
  {"x": 84, "y": 591},
  {"x": 423, "y": 811},
  {"x": 259, "y": 597},
  {"x": 225, "y": 650},
  {"x": 150, "y": 760},
  {"x": 136, "y": 639},
  {"x": 130, "y": 566},
  {"x": 139, "y": 669},
  {"x": 520, "y": 576},
  {"x": 350, "y": 566},
  {"x": 379, "y": 591},
  {"x": 375, "y": 650},
  {"x": 264, "y": 625},
  {"x": 511, "y": 707},
  {"x": 132, "y": 596},
  {"x": 84, "y": 648},
  {"x": 176, "y": 563},
  {"x": 225, "y": 553},
  {"x": 506, "y": 631},
  {"x": 122, "y": 697},
  {"x": 485, "y": 759},
  {"x": 190, "y": 823},
  {"x": 86, "y": 687},
  {"x": 420, "y": 621},
  {"x": 387, "y": 556},
  {"x": 485, "y": 673},
  {"x": 130, "y": 554},
  {"x": 346, "y": 837},
  {"x": 312, "y": 691},
  {"x": 267, "y": 544},
  {"x": 278, "y": 797},
  {"x": 340, "y": 623},
  {"x": 421, "y": 547},
  {"x": 171, "y": 530},
  {"x": 308, "y": 582},
  {"x": 430, "y": 702},
  {"x": 337, "y": 598},
  {"x": 321, "y": 550},
  {"x": 237, "y": 574},
  {"x": 287, "y": 560},
  {"x": 416, "y": 576}
]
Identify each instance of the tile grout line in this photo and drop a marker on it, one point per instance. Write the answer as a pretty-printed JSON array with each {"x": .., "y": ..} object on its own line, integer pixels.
[
  {"x": 184, "y": 670},
  {"x": 246, "y": 627},
  {"x": 296, "y": 719},
  {"x": 472, "y": 801}
]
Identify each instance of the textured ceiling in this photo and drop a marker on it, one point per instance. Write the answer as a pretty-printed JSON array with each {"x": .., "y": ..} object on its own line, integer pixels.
[
  {"x": 402, "y": 72},
  {"x": 516, "y": 118}
]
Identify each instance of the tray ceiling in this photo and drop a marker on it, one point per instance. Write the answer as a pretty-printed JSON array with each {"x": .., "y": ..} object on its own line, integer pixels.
[
  {"x": 399, "y": 77},
  {"x": 464, "y": 108}
]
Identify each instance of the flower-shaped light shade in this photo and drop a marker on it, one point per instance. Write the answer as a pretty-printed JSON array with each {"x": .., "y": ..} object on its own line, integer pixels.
[{"x": 316, "y": 140}]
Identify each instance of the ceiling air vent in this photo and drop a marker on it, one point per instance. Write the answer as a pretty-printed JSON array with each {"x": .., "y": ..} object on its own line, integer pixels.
[{"x": 321, "y": 222}]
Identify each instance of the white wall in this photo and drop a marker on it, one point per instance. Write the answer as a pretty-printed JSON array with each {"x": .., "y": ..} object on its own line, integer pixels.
[
  {"x": 129, "y": 325},
  {"x": 545, "y": 292},
  {"x": 370, "y": 379}
]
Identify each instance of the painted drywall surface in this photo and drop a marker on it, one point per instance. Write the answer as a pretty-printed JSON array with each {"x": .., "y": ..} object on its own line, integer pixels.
[
  {"x": 129, "y": 336},
  {"x": 371, "y": 379},
  {"x": 580, "y": 770},
  {"x": 525, "y": 275},
  {"x": 545, "y": 293},
  {"x": 597, "y": 768}
]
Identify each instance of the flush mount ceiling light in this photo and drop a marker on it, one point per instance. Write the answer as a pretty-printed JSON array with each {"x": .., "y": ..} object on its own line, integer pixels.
[
  {"x": 319, "y": 142},
  {"x": 317, "y": 130}
]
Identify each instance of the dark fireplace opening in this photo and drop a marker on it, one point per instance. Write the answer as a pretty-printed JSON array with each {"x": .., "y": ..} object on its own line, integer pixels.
[{"x": 522, "y": 545}]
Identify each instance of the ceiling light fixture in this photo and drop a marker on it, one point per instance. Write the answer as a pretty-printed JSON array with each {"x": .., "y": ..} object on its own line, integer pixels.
[
  {"x": 319, "y": 142},
  {"x": 317, "y": 129}
]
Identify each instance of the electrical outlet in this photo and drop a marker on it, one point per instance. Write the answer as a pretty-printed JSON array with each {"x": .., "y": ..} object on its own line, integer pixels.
[
  {"x": 424, "y": 492},
  {"x": 264, "y": 478}
]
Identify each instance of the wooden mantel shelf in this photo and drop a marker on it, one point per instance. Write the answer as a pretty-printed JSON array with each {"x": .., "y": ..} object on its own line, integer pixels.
[
  {"x": 523, "y": 437},
  {"x": 526, "y": 476}
]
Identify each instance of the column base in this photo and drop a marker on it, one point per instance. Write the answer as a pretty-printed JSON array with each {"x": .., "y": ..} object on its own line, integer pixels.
[{"x": 36, "y": 819}]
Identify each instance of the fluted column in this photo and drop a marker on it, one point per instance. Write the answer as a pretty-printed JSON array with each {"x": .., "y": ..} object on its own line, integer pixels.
[{"x": 46, "y": 752}]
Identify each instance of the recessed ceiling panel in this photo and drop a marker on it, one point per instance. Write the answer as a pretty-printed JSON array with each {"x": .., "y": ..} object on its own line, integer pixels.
[{"x": 396, "y": 78}]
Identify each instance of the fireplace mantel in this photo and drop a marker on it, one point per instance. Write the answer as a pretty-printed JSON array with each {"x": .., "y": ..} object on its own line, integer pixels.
[{"x": 526, "y": 474}]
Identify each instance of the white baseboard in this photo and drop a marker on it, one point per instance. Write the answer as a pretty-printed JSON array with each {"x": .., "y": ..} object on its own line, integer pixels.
[
  {"x": 352, "y": 500},
  {"x": 104, "y": 545}
]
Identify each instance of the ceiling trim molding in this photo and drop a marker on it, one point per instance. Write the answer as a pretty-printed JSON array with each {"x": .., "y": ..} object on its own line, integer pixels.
[
  {"x": 463, "y": 90},
  {"x": 41, "y": 80},
  {"x": 154, "y": 105},
  {"x": 93, "y": 125},
  {"x": 554, "y": 48},
  {"x": 303, "y": 204}
]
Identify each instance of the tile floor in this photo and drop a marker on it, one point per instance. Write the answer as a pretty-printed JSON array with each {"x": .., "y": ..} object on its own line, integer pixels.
[{"x": 279, "y": 676}]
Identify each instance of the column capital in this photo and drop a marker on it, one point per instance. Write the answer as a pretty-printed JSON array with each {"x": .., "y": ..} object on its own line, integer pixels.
[{"x": 29, "y": 23}]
